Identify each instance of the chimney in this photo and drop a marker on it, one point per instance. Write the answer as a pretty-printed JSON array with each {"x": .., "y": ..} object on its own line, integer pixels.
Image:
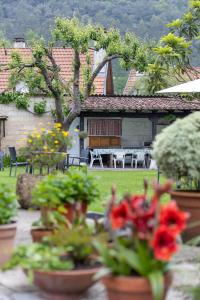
[{"x": 19, "y": 43}]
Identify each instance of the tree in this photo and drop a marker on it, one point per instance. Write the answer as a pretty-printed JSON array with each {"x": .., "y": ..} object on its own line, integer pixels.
[
  {"x": 42, "y": 74},
  {"x": 172, "y": 56}
]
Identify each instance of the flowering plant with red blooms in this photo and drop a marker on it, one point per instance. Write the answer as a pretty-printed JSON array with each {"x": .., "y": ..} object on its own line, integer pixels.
[{"x": 145, "y": 236}]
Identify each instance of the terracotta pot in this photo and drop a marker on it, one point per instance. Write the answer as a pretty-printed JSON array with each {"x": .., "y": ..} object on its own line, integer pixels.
[
  {"x": 131, "y": 288},
  {"x": 7, "y": 237},
  {"x": 189, "y": 202},
  {"x": 39, "y": 233},
  {"x": 64, "y": 285},
  {"x": 75, "y": 210}
]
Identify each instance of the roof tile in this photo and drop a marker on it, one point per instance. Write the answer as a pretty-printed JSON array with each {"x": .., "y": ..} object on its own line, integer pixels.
[
  {"x": 63, "y": 57},
  {"x": 138, "y": 103}
]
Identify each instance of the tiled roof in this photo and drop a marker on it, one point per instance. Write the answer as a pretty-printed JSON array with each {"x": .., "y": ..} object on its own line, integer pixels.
[
  {"x": 63, "y": 57},
  {"x": 132, "y": 78},
  {"x": 137, "y": 103}
]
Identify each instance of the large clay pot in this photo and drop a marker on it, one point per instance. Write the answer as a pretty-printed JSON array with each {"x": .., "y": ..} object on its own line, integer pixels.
[
  {"x": 39, "y": 233},
  {"x": 131, "y": 288},
  {"x": 64, "y": 285},
  {"x": 7, "y": 237},
  {"x": 189, "y": 202}
]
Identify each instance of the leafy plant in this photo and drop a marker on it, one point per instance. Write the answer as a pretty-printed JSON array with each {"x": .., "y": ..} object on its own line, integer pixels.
[
  {"x": 67, "y": 249},
  {"x": 40, "y": 107},
  {"x": 84, "y": 186},
  {"x": 46, "y": 146},
  {"x": 177, "y": 151},
  {"x": 22, "y": 102},
  {"x": 38, "y": 256},
  {"x": 8, "y": 204},
  {"x": 53, "y": 191},
  {"x": 144, "y": 237}
]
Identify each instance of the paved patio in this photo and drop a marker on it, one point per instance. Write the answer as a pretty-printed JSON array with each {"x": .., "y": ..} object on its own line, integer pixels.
[{"x": 14, "y": 285}]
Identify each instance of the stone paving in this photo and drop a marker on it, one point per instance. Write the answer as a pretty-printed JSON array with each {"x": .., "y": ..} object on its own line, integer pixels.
[{"x": 14, "y": 284}]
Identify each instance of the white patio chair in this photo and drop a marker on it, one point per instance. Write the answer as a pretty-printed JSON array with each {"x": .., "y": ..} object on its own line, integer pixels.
[
  {"x": 119, "y": 157},
  {"x": 95, "y": 157},
  {"x": 133, "y": 160},
  {"x": 140, "y": 157}
]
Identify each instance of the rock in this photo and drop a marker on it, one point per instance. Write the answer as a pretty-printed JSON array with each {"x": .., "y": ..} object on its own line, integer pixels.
[{"x": 25, "y": 184}]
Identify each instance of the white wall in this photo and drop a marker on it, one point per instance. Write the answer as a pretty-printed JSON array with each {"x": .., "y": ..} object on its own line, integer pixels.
[
  {"x": 75, "y": 150},
  {"x": 136, "y": 131}
]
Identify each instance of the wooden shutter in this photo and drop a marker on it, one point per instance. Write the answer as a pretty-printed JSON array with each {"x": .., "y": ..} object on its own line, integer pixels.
[{"x": 104, "y": 127}]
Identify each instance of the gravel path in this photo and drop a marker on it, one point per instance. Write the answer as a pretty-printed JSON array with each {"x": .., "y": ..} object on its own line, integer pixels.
[{"x": 14, "y": 284}]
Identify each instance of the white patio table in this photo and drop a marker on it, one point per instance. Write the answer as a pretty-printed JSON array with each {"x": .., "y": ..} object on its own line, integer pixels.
[{"x": 112, "y": 151}]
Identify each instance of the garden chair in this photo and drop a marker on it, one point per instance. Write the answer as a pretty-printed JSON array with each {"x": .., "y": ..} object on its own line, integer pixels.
[
  {"x": 1, "y": 160},
  {"x": 14, "y": 162},
  {"x": 119, "y": 157},
  {"x": 140, "y": 157},
  {"x": 77, "y": 161},
  {"x": 95, "y": 157}
]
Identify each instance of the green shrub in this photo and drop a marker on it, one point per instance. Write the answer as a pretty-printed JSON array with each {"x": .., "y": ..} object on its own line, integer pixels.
[
  {"x": 8, "y": 204},
  {"x": 177, "y": 149},
  {"x": 40, "y": 107},
  {"x": 22, "y": 102},
  {"x": 56, "y": 190}
]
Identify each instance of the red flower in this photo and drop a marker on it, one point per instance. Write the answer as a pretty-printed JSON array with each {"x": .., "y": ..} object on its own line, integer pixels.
[
  {"x": 119, "y": 215},
  {"x": 172, "y": 217},
  {"x": 164, "y": 243},
  {"x": 143, "y": 215}
]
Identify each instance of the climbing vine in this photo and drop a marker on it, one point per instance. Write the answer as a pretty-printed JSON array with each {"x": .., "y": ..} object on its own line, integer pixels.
[{"x": 22, "y": 101}]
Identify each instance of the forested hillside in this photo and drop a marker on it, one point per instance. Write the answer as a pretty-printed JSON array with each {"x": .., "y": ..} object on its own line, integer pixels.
[{"x": 147, "y": 18}]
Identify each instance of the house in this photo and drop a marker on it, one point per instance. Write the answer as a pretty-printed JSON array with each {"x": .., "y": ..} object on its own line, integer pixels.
[{"x": 129, "y": 121}]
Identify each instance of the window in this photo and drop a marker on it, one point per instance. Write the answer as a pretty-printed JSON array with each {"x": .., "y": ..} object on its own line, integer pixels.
[{"x": 104, "y": 127}]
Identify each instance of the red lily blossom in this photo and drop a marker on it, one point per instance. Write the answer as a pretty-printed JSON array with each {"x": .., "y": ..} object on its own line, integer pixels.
[
  {"x": 142, "y": 215},
  {"x": 172, "y": 217},
  {"x": 164, "y": 243},
  {"x": 119, "y": 215}
]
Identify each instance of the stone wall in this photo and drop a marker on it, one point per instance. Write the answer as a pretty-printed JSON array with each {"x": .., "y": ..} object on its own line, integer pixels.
[{"x": 20, "y": 122}]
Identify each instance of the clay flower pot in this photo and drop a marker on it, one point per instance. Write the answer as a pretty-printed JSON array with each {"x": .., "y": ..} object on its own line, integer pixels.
[
  {"x": 129, "y": 288},
  {"x": 189, "y": 202},
  {"x": 64, "y": 285},
  {"x": 7, "y": 237},
  {"x": 38, "y": 234}
]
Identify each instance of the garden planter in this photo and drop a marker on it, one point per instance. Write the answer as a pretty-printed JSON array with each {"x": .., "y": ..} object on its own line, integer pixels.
[
  {"x": 25, "y": 184},
  {"x": 64, "y": 285},
  {"x": 7, "y": 236},
  {"x": 75, "y": 210},
  {"x": 129, "y": 288},
  {"x": 39, "y": 233},
  {"x": 189, "y": 202}
]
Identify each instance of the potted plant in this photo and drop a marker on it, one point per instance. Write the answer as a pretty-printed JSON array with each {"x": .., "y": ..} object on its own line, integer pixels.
[
  {"x": 8, "y": 210},
  {"x": 64, "y": 266},
  {"x": 177, "y": 152},
  {"x": 63, "y": 197},
  {"x": 144, "y": 239}
]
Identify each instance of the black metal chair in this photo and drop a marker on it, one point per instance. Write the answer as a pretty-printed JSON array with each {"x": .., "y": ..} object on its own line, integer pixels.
[
  {"x": 14, "y": 162},
  {"x": 1, "y": 160},
  {"x": 77, "y": 161}
]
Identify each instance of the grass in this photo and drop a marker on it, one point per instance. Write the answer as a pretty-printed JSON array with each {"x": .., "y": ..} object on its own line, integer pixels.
[{"x": 125, "y": 181}]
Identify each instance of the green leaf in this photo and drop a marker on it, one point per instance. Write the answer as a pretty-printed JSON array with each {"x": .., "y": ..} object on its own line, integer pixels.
[{"x": 157, "y": 284}]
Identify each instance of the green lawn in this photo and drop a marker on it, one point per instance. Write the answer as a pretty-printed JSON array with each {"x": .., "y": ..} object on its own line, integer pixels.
[{"x": 125, "y": 181}]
